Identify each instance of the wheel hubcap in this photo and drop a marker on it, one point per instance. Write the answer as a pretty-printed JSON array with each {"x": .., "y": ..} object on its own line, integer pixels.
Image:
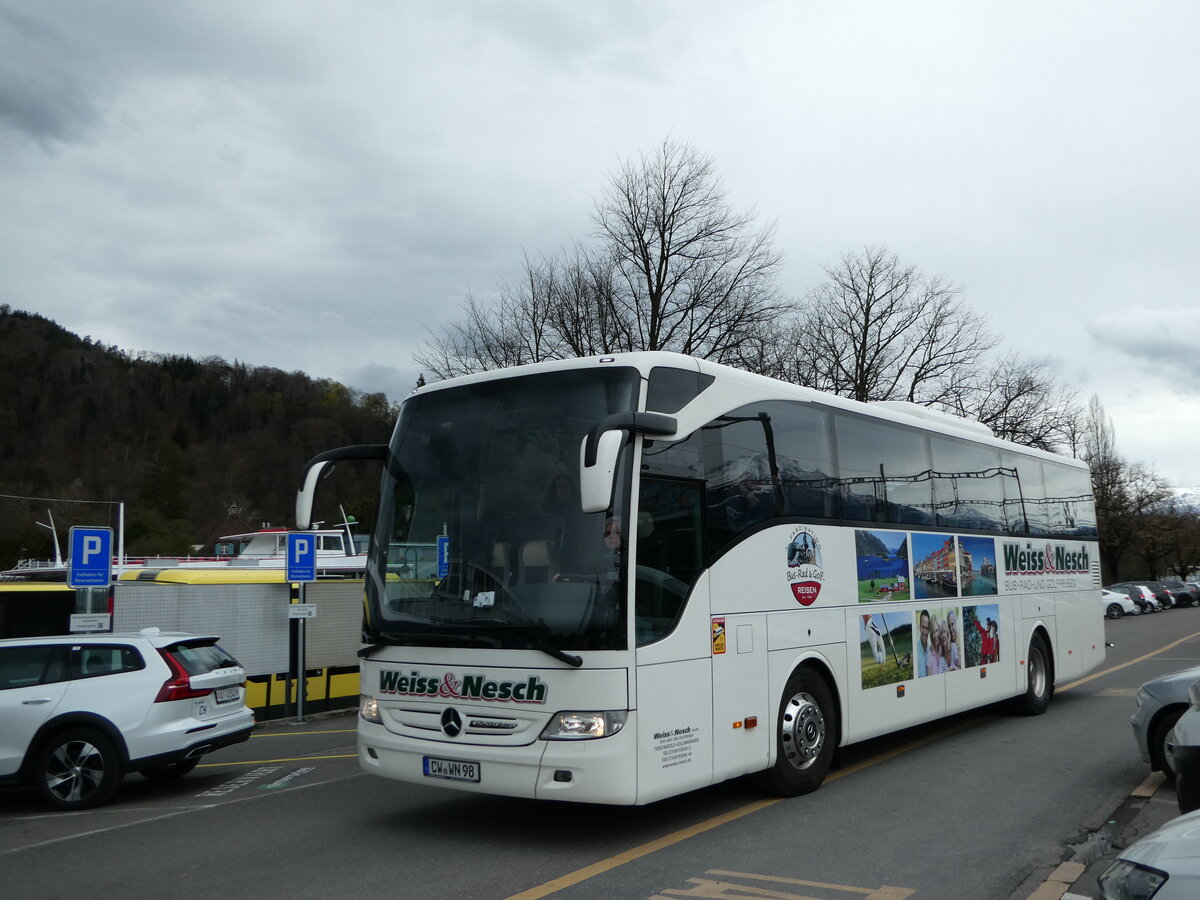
[
  {"x": 803, "y": 731},
  {"x": 75, "y": 770},
  {"x": 1037, "y": 673}
]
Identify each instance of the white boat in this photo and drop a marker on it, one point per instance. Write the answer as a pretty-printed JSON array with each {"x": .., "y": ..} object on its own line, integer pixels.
[{"x": 339, "y": 554}]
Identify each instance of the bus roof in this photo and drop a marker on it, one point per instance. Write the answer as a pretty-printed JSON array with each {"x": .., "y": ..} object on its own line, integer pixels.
[{"x": 901, "y": 412}]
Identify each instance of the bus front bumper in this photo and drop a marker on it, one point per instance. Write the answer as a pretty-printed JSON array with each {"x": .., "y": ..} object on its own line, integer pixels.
[{"x": 602, "y": 770}]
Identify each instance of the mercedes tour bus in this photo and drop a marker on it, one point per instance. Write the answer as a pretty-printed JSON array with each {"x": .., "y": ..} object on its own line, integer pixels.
[{"x": 655, "y": 573}]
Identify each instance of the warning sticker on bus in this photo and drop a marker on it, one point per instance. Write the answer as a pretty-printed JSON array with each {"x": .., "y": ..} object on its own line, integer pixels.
[{"x": 718, "y": 634}]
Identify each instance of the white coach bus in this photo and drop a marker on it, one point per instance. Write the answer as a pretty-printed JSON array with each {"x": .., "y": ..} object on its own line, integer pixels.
[{"x": 656, "y": 573}]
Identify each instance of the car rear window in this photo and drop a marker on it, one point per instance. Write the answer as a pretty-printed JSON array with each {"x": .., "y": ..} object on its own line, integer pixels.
[
  {"x": 28, "y": 666},
  {"x": 199, "y": 659},
  {"x": 92, "y": 660}
]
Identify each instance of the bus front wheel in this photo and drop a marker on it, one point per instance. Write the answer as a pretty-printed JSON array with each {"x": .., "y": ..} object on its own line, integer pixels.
[
  {"x": 805, "y": 736},
  {"x": 1039, "y": 683}
]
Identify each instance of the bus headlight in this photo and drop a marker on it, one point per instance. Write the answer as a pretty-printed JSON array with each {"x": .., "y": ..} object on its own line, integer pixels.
[
  {"x": 368, "y": 708},
  {"x": 583, "y": 726}
]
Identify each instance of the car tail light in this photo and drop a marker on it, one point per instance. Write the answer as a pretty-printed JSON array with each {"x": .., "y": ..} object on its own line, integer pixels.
[{"x": 179, "y": 685}]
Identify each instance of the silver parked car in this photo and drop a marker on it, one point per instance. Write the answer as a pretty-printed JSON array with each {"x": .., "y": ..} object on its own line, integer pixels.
[
  {"x": 1165, "y": 865},
  {"x": 1160, "y": 703}
]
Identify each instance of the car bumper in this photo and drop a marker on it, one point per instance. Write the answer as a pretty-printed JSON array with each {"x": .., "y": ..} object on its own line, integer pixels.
[
  {"x": 200, "y": 745},
  {"x": 1140, "y": 722}
]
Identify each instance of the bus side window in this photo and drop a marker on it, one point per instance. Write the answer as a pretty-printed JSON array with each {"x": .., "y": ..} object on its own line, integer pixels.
[{"x": 669, "y": 534}]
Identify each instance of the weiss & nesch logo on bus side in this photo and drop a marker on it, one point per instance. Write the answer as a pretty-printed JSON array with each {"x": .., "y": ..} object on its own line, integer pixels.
[
  {"x": 469, "y": 687},
  {"x": 1053, "y": 559}
]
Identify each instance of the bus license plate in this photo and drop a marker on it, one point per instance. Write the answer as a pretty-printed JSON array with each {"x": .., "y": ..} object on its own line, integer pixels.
[
  {"x": 454, "y": 769},
  {"x": 226, "y": 694}
]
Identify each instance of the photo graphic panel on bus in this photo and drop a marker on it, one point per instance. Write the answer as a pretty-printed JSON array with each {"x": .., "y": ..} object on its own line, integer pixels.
[
  {"x": 885, "y": 648},
  {"x": 977, "y": 566},
  {"x": 935, "y": 566},
  {"x": 981, "y": 634},
  {"x": 882, "y": 562}
]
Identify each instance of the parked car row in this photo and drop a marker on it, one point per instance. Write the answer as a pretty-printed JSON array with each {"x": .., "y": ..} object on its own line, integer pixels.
[
  {"x": 1165, "y": 864},
  {"x": 81, "y": 711},
  {"x": 1148, "y": 597}
]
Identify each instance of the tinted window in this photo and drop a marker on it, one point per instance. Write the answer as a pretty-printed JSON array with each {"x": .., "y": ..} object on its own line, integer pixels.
[
  {"x": 28, "y": 666},
  {"x": 91, "y": 660},
  {"x": 199, "y": 659},
  {"x": 738, "y": 464},
  {"x": 670, "y": 390},
  {"x": 969, "y": 485},
  {"x": 884, "y": 470},
  {"x": 1068, "y": 507},
  {"x": 803, "y": 436}
]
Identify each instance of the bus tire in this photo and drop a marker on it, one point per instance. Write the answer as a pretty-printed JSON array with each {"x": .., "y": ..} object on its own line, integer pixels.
[
  {"x": 805, "y": 736},
  {"x": 1039, "y": 682}
]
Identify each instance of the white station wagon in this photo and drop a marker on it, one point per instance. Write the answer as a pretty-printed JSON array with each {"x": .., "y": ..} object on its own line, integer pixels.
[{"x": 80, "y": 711}]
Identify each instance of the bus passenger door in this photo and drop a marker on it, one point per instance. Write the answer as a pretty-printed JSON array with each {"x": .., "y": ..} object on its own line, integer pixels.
[{"x": 742, "y": 720}]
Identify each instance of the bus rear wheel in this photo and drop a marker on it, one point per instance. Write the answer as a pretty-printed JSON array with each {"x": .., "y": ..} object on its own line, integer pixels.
[
  {"x": 1039, "y": 683},
  {"x": 805, "y": 736}
]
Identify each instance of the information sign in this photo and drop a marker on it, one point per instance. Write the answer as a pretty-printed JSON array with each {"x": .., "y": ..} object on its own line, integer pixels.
[
  {"x": 90, "y": 563},
  {"x": 301, "y": 556}
]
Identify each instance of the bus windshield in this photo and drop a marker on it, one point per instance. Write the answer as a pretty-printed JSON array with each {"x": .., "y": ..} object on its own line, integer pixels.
[{"x": 489, "y": 471}]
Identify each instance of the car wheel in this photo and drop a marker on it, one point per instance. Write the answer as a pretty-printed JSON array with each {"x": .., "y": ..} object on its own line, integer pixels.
[
  {"x": 806, "y": 734},
  {"x": 1039, "y": 681},
  {"x": 171, "y": 771},
  {"x": 78, "y": 769},
  {"x": 1114, "y": 610},
  {"x": 1163, "y": 726}
]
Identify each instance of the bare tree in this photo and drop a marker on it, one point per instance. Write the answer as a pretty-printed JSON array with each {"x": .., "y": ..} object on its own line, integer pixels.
[
  {"x": 691, "y": 274},
  {"x": 877, "y": 329},
  {"x": 1021, "y": 400},
  {"x": 1126, "y": 493},
  {"x": 674, "y": 268}
]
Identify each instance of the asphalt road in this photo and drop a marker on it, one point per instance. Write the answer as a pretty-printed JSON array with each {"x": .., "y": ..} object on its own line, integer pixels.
[{"x": 982, "y": 805}]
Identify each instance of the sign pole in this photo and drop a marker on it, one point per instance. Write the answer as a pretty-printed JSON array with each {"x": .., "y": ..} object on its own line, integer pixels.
[
  {"x": 301, "y": 569},
  {"x": 302, "y": 684}
]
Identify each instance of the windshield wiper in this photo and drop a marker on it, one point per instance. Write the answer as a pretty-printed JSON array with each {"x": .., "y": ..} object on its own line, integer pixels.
[
  {"x": 477, "y": 638},
  {"x": 416, "y": 639},
  {"x": 561, "y": 655}
]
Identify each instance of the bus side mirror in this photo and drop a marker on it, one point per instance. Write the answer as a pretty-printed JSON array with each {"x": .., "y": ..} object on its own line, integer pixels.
[
  {"x": 601, "y": 447},
  {"x": 322, "y": 464},
  {"x": 596, "y": 480},
  {"x": 307, "y": 493}
]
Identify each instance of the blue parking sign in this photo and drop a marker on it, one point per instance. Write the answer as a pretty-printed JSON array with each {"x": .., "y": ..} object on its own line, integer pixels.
[
  {"x": 301, "y": 556},
  {"x": 443, "y": 555},
  {"x": 90, "y": 562}
]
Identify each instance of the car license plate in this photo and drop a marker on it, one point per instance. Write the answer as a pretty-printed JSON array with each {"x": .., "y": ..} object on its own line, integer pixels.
[
  {"x": 227, "y": 694},
  {"x": 454, "y": 769}
]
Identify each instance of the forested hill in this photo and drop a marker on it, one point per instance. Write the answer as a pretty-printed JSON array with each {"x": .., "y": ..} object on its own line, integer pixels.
[{"x": 195, "y": 448}]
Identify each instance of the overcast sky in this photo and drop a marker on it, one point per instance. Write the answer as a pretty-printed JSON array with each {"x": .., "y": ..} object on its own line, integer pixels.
[{"x": 313, "y": 186}]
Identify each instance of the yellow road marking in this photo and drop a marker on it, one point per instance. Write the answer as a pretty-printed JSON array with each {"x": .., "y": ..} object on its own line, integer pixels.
[
  {"x": 675, "y": 837},
  {"x": 1125, "y": 665},
  {"x": 263, "y": 762},
  {"x": 304, "y": 733}
]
